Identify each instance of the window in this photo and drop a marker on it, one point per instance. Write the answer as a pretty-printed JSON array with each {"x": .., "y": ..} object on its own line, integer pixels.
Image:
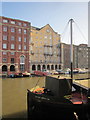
[
  {"x": 25, "y": 39},
  {"x": 4, "y": 60},
  {"x": 19, "y": 23},
  {"x": 25, "y": 31},
  {"x": 50, "y": 37},
  {"x": 19, "y": 30},
  {"x": 5, "y": 28},
  {"x": 12, "y": 37},
  {"x": 12, "y": 46},
  {"x": 45, "y": 36},
  {"x": 12, "y": 53},
  {"x": 12, "y": 68},
  {"x": 4, "y": 46},
  {"x": 19, "y": 39},
  {"x": 4, "y": 37},
  {"x": 24, "y": 47},
  {"x": 24, "y": 24},
  {"x": 19, "y": 47},
  {"x": 12, "y": 60},
  {"x": 4, "y": 53},
  {"x": 48, "y": 30},
  {"x": 12, "y": 22},
  {"x": 12, "y": 29},
  {"x": 22, "y": 67},
  {"x": 22, "y": 59},
  {"x": 5, "y": 21}
]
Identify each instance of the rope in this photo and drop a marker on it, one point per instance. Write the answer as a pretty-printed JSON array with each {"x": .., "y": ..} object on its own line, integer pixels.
[
  {"x": 80, "y": 31},
  {"x": 36, "y": 84}
]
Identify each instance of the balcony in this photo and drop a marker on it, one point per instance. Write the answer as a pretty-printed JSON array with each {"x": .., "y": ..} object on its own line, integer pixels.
[
  {"x": 48, "y": 54},
  {"x": 32, "y": 53},
  {"x": 48, "y": 45}
]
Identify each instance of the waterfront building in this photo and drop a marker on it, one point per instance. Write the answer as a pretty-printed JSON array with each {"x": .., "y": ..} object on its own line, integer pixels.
[
  {"x": 65, "y": 55},
  {"x": 80, "y": 56},
  {"x": 14, "y": 46},
  {"x": 83, "y": 56},
  {"x": 44, "y": 48}
]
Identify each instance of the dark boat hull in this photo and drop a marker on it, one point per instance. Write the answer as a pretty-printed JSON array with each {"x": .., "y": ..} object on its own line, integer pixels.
[
  {"x": 46, "y": 106},
  {"x": 49, "y": 107}
]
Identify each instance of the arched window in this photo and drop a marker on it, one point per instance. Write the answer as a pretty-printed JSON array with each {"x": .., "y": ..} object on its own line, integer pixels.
[
  {"x": 52, "y": 67},
  {"x": 33, "y": 67},
  {"x": 4, "y": 68},
  {"x": 48, "y": 67},
  {"x": 12, "y": 68},
  {"x": 55, "y": 67},
  {"x": 39, "y": 67},
  {"x": 22, "y": 59},
  {"x": 22, "y": 63},
  {"x": 43, "y": 67}
]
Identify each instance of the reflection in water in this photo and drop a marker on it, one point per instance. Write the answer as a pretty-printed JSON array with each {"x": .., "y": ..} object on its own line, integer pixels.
[
  {"x": 14, "y": 98},
  {"x": 14, "y": 94}
]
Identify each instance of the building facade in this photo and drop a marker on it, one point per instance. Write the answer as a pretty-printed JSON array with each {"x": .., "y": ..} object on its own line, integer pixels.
[
  {"x": 65, "y": 55},
  {"x": 14, "y": 44},
  {"x": 45, "y": 49},
  {"x": 83, "y": 56},
  {"x": 80, "y": 56}
]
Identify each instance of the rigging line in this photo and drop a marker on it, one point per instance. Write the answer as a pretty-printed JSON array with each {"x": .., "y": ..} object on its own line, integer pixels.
[
  {"x": 36, "y": 84},
  {"x": 65, "y": 29},
  {"x": 80, "y": 31}
]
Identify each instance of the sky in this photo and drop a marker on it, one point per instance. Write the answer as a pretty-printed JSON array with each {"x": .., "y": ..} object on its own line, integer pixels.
[{"x": 57, "y": 14}]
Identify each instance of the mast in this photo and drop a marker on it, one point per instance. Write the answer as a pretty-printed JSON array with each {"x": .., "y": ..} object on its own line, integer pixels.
[{"x": 71, "y": 39}]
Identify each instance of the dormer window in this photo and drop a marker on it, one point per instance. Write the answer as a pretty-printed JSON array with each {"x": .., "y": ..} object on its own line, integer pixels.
[
  {"x": 12, "y": 22},
  {"x": 48, "y": 30}
]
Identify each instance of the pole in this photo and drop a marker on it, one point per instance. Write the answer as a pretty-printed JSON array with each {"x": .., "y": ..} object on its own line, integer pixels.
[{"x": 71, "y": 37}]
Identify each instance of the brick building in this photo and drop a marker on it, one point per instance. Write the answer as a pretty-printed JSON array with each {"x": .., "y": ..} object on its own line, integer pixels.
[
  {"x": 14, "y": 45},
  {"x": 45, "y": 49}
]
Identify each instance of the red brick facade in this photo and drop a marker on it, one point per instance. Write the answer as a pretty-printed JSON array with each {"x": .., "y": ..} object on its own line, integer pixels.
[{"x": 14, "y": 45}]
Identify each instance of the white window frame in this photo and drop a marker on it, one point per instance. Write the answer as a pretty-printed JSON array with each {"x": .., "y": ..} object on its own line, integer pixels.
[
  {"x": 4, "y": 46},
  {"x": 5, "y": 28},
  {"x": 25, "y": 39},
  {"x": 12, "y": 38},
  {"x": 4, "y": 59},
  {"x": 12, "y": 46},
  {"x": 25, "y": 47},
  {"x": 19, "y": 47},
  {"x": 25, "y": 31},
  {"x": 19, "y": 39},
  {"x": 12, "y": 22},
  {"x": 12, "y": 30},
  {"x": 5, "y": 21},
  {"x": 19, "y": 30},
  {"x": 4, "y": 37}
]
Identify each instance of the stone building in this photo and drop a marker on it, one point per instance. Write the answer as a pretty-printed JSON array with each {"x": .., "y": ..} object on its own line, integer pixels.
[
  {"x": 14, "y": 45},
  {"x": 65, "y": 55},
  {"x": 83, "y": 56},
  {"x": 80, "y": 56},
  {"x": 44, "y": 48}
]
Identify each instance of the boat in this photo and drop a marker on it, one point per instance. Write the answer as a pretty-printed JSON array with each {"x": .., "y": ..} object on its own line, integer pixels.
[
  {"x": 39, "y": 73},
  {"x": 55, "y": 100},
  {"x": 26, "y": 74}
]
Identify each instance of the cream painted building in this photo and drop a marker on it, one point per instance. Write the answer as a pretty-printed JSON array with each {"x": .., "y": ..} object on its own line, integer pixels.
[{"x": 44, "y": 49}]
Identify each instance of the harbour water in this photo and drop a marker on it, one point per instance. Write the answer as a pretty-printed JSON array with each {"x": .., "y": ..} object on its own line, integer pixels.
[{"x": 14, "y": 94}]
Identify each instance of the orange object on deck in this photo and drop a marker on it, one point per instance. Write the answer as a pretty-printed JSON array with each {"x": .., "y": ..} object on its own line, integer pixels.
[
  {"x": 78, "y": 102},
  {"x": 39, "y": 90}
]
